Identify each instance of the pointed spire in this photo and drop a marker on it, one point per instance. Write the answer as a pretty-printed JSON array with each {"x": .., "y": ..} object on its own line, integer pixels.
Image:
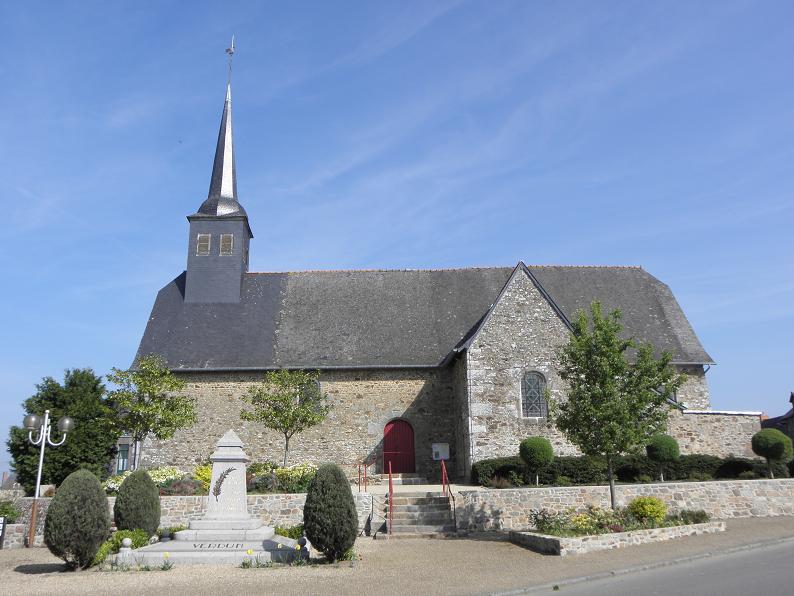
[{"x": 222, "y": 197}]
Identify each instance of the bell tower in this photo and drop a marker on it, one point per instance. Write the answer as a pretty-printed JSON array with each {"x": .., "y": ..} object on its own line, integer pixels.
[{"x": 217, "y": 254}]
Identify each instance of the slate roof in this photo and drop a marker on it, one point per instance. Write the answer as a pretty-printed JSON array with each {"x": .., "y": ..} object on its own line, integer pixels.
[{"x": 388, "y": 318}]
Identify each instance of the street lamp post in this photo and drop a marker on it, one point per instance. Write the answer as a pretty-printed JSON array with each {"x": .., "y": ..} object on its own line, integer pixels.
[{"x": 43, "y": 438}]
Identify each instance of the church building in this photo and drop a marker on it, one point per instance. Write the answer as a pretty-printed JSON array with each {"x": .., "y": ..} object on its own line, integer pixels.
[{"x": 418, "y": 365}]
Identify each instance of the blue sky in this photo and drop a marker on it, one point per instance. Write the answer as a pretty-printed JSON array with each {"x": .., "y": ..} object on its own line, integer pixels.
[{"x": 399, "y": 135}]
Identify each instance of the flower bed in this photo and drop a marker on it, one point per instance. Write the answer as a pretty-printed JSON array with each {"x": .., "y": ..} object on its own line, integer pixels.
[{"x": 577, "y": 545}]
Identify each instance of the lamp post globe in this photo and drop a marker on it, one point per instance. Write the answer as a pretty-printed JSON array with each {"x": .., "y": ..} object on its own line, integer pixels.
[
  {"x": 31, "y": 422},
  {"x": 65, "y": 424}
]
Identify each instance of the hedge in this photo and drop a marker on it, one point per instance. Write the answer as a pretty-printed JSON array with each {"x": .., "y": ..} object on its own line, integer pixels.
[{"x": 630, "y": 468}]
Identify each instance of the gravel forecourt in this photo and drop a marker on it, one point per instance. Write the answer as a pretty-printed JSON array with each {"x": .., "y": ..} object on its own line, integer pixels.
[{"x": 478, "y": 564}]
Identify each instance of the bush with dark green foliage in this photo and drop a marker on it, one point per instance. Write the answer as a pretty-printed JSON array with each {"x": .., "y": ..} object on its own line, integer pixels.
[
  {"x": 537, "y": 454},
  {"x": 78, "y": 520},
  {"x": 293, "y": 532},
  {"x": 565, "y": 471},
  {"x": 92, "y": 442},
  {"x": 329, "y": 515},
  {"x": 662, "y": 449},
  {"x": 138, "y": 504},
  {"x": 112, "y": 545},
  {"x": 9, "y": 511},
  {"x": 183, "y": 487},
  {"x": 689, "y": 516},
  {"x": 774, "y": 446}
]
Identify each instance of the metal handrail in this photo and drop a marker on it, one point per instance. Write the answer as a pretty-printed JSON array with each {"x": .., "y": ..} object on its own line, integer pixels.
[
  {"x": 391, "y": 500},
  {"x": 446, "y": 490}
]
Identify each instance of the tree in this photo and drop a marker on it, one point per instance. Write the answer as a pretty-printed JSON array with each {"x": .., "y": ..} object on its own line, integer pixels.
[
  {"x": 90, "y": 445},
  {"x": 772, "y": 445},
  {"x": 662, "y": 449},
  {"x": 288, "y": 401},
  {"x": 137, "y": 505},
  {"x": 148, "y": 402},
  {"x": 78, "y": 520},
  {"x": 537, "y": 453},
  {"x": 615, "y": 404},
  {"x": 329, "y": 514}
]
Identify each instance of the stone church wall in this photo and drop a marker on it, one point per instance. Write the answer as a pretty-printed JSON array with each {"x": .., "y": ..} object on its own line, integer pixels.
[
  {"x": 694, "y": 393},
  {"x": 362, "y": 403},
  {"x": 522, "y": 334}
]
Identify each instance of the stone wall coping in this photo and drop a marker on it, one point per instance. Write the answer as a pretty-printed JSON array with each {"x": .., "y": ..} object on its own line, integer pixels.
[{"x": 724, "y": 412}]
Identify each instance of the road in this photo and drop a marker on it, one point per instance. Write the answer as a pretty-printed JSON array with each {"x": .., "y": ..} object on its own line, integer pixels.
[{"x": 763, "y": 571}]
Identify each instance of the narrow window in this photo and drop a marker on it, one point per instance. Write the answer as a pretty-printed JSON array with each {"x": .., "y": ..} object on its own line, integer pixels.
[
  {"x": 203, "y": 245},
  {"x": 122, "y": 462},
  {"x": 227, "y": 245},
  {"x": 533, "y": 396}
]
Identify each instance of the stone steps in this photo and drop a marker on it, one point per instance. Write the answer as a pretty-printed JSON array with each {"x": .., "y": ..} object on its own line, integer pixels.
[{"x": 420, "y": 514}]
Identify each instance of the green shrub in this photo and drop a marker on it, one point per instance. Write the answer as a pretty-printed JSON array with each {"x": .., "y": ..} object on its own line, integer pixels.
[
  {"x": 662, "y": 449},
  {"x": 138, "y": 504},
  {"x": 537, "y": 454},
  {"x": 182, "y": 487},
  {"x": 774, "y": 446},
  {"x": 203, "y": 474},
  {"x": 563, "y": 481},
  {"x": 747, "y": 475},
  {"x": 9, "y": 511},
  {"x": 329, "y": 515},
  {"x": 293, "y": 532},
  {"x": 484, "y": 470},
  {"x": 78, "y": 520},
  {"x": 689, "y": 516},
  {"x": 732, "y": 467},
  {"x": 648, "y": 509},
  {"x": 113, "y": 544}
]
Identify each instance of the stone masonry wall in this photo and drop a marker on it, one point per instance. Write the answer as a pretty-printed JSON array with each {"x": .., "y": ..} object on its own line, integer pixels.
[
  {"x": 521, "y": 335},
  {"x": 510, "y": 509},
  {"x": 362, "y": 403},
  {"x": 272, "y": 509},
  {"x": 694, "y": 393},
  {"x": 714, "y": 433},
  {"x": 462, "y": 435}
]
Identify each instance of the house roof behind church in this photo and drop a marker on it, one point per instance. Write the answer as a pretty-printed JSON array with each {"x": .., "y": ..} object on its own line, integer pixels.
[{"x": 391, "y": 318}]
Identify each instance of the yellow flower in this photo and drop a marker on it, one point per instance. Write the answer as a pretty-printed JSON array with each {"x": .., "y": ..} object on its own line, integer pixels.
[
  {"x": 280, "y": 545},
  {"x": 250, "y": 551},
  {"x": 297, "y": 547},
  {"x": 166, "y": 555}
]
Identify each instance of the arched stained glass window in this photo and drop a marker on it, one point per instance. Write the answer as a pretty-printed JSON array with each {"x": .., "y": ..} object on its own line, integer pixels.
[{"x": 533, "y": 396}]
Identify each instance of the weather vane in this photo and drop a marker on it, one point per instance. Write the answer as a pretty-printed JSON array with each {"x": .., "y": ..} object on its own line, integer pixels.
[{"x": 230, "y": 51}]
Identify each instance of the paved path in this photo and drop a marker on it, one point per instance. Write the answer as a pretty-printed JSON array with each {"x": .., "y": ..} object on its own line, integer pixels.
[
  {"x": 764, "y": 571},
  {"x": 476, "y": 565}
]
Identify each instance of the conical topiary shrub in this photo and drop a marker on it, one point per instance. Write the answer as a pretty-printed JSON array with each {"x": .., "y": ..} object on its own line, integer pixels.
[
  {"x": 329, "y": 516},
  {"x": 78, "y": 520},
  {"x": 662, "y": 449},
  {"x": 138, "y": 504}
]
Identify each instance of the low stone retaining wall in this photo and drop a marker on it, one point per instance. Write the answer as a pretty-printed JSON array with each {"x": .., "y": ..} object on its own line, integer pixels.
[
  {"x": 509, "y": 509},
  {"x": 273, "y": 510},
  {"x": 16, "y": 534},
  {"x": 562, "y": 546}
]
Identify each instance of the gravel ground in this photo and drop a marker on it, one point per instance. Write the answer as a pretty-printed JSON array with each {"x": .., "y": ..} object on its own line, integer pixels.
[{"x": 474, "y": 565}]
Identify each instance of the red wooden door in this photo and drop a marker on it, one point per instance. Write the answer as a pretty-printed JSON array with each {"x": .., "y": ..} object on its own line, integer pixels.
[{"x": 398, "y": 447}]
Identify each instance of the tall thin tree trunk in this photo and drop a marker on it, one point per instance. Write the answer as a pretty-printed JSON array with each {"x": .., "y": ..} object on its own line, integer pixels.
[
  {"x": 769, "y": 465},
  {"x": 611, "y": 478},
  {"x": 661, "y": 472},
  {"x": 286, "y": 449}
]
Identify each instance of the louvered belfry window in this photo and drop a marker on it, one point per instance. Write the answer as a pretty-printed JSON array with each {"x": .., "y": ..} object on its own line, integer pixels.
[
  {"x": 533, "y": 396},
  {"x": 227, "y": 245},
  {"x": 203, "y": 245}
]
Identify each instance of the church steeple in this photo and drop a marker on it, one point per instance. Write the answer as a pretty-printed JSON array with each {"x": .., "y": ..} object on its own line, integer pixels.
[
  {"x": 219, "y": 232},
  {"x": 222, "y": 196}
]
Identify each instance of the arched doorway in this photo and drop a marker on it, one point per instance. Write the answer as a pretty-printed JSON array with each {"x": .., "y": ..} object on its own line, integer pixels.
[{"x": 398, "y": 447}]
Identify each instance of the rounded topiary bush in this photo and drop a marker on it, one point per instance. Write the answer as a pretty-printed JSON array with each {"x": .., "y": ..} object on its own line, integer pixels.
[
  {"x": 138, "y": 504},
  {"x": 78, "y": 520},
  {"x": 648, "y": 509},
  {"x": 662, "y": 449},
  {"x": 537, "y": 453},
  {"x": 772, "y": 445},
  {"x": 329, "y": 515}
]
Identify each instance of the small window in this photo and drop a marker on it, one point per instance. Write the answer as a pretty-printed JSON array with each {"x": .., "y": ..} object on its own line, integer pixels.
[
  {"x": 227, "y": 245},
  {"x": 533, "y": 396},
  {"x": 123, "y": 459},
  {"x": 203, "y": 245}
]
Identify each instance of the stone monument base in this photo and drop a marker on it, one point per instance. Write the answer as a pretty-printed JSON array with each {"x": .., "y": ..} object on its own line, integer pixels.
[{"x": 277, "y": 549}]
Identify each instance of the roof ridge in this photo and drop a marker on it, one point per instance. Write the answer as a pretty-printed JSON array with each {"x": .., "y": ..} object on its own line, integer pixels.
[{"x": 430, "y": 269}]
